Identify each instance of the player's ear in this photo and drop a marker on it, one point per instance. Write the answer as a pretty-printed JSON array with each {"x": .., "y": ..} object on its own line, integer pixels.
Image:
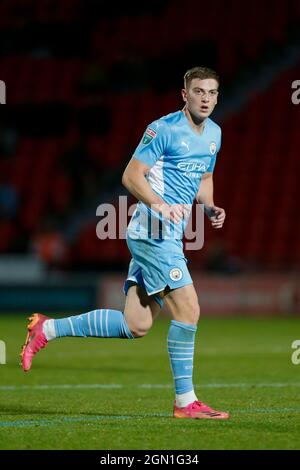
[
  {"x": 217, "y": 97},
  {"x": 184, "y": 94}
]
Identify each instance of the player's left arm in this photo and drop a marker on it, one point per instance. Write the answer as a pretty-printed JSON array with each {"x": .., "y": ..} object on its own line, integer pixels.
[{"x": 205, "y": 196}]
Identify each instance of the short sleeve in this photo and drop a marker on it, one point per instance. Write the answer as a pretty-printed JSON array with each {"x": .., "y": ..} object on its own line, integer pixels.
[
  {"x": 214, "y": 157},
  {"x": 154, "y": 143}
]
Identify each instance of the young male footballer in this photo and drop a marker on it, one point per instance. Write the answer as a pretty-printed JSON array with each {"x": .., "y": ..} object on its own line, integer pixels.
[{"x": 172, "y": 165}]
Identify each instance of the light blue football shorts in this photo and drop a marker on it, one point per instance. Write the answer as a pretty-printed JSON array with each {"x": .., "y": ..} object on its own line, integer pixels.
[{"x": 156, "y": 264}]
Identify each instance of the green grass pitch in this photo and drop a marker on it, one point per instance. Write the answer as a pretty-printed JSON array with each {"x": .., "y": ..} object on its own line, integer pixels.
[{"x": 118, "y": 394}]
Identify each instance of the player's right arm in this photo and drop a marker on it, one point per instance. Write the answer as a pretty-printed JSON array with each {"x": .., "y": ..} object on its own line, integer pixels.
[
  {"x": 152, "y": 146},
  {"x": 134, "y": 180}
]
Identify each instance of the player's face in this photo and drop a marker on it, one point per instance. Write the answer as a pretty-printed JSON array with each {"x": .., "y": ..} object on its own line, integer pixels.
[{"x": 201, "y": 97}]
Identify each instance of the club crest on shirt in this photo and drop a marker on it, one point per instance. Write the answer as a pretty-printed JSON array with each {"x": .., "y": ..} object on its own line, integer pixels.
[
  {"x": 212, "y": 148},
  {"x": 175, "y": 274},
  {"x": 149, "y": 135}
]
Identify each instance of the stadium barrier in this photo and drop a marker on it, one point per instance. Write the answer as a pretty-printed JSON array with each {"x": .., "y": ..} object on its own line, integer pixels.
[{"x": 218, "y": 295}]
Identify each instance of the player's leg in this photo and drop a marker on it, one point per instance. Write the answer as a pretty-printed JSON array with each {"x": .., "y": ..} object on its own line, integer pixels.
[
  {"x": 134, "y": 322},
  {"x": 184, "y": 307},
  {"x": 140, "y": 309},
  {"x": 183, "y": 304}
]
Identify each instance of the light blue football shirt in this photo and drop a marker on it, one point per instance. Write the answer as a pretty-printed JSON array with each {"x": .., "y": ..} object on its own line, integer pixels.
[{"x": 178, "y": 156}]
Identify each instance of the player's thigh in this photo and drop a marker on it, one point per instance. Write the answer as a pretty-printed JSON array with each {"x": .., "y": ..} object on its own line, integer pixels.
[
  {"x": 140, "y": 310},
  {"x": 183, "y": 304}
]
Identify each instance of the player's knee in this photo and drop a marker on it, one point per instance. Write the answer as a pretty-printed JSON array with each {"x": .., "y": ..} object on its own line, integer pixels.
[
  {"x": 192, "y": 314},
  {"x": 139, "y": 329},
  {"x": 197, "y": 313},
  {"x": 139, "y": 332}
]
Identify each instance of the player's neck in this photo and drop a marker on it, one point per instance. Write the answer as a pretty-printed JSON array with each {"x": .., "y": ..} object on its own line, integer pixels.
[{"x": 197, "y": 124}]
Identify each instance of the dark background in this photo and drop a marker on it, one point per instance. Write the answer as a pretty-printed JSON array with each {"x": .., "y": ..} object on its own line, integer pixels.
[{"x": 84, "y": 78}]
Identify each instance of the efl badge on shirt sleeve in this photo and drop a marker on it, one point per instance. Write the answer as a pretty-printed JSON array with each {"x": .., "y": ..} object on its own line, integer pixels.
[{"x": 149, "y": 135}]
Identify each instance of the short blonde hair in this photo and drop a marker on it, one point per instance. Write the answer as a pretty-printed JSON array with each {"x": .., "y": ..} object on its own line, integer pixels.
[{"x": 199, "y": 72}]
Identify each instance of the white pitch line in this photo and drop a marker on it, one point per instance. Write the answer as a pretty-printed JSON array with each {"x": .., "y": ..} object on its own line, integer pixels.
[
  {"x": 23, "y": 423},
  {"x": 59, "y": 386},
  {"x": 144, "y": 386}
]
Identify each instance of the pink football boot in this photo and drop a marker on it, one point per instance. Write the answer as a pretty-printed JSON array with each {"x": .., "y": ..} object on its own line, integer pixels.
[
  {"x": 198, "y": 410},
  {"x": 35, "y": 339}
]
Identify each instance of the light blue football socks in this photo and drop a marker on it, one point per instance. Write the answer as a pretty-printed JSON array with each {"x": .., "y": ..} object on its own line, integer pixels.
[
  {"x": 181, "y": 343},
  {"x": 101, "y": 323},
  {"x": 107, "y": 323}
]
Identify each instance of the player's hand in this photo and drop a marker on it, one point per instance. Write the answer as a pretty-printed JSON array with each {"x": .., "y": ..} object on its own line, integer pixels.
[
  {"x": 217, "y": 216},
  {"x": 175, "y": 212}
]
